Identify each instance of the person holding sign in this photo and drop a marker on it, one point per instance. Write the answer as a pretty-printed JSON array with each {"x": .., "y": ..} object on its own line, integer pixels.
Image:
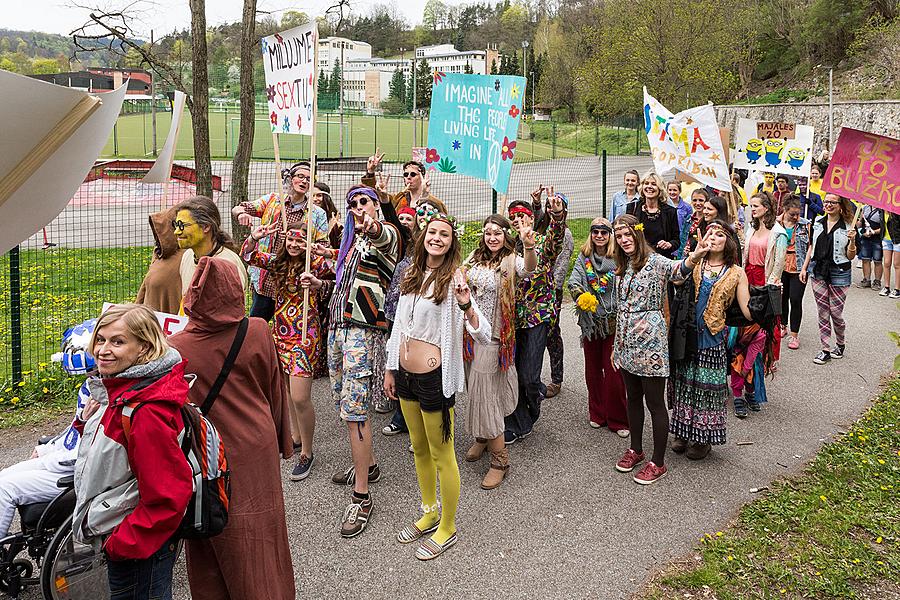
[
  {"x": 660, "y": 219},
  {"x": 641, "y": 347},
  {"x": 493, "y": 271},
  {"x": 535, "y": 309},
  {"x": 370, "y": 246},
  {"x": 269, "y": 210},
  {"x": 415, "y": 178},
  {"x": 827, "y": 263},
  {"x": 425, "y": 372},
  {"x": 298, "y": 354}
]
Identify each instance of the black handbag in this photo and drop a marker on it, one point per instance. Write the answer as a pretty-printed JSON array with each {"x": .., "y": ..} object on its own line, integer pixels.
[{"x": 764, "y": 305}]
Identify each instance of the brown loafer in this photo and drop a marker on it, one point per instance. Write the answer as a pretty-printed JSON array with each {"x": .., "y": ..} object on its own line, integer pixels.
[
  {"x": 679, "y": 445},
  {"x": 552, "y": 390},
  {"x": 698, "y": 451}
]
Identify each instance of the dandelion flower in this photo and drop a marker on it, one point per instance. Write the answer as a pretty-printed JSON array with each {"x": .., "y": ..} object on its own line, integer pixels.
[
  {"x": 14, "y": 400},
  {"x": 823, "y": 498}
]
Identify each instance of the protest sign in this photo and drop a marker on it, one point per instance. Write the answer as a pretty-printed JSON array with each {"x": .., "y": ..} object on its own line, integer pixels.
[
  {"x": 725, "y": 137},
  {"x": 290, "y": 67},
  {"x": 865, "y": 167},
  {"x": 473, "y": 125},
  {"x": 773, "y": 147},
  {"x": 689, "y": 142}
]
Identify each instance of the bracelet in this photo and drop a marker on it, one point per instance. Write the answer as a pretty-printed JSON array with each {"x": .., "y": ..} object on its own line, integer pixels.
[
  {"x": 466, "y": 306},
  {"x": 528, "y": 247}
]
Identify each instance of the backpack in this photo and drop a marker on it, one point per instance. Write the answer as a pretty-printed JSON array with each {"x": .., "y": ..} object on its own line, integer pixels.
[{"x": 207, "y": 511}]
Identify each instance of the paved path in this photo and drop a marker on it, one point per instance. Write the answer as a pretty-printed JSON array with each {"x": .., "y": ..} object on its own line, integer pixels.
[{"x": 566, "y": 524}]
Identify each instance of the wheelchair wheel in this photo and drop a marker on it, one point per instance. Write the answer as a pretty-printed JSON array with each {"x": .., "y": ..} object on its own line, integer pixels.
[{"x": 72, "y": 572}]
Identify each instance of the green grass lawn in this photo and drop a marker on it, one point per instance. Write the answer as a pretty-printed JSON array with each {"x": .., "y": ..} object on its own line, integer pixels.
[
  {"x": 132, "y": 138},
  {"x": 833, "y": 532}
]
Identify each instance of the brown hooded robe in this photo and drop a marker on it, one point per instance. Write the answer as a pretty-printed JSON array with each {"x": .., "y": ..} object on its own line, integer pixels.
[
  {"x": 161, "y": 288},
  {"x": 251, "y": 413}
]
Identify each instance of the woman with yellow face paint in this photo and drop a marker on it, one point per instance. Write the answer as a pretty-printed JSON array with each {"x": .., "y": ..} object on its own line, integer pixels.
[{"x": 198, "y": 229}]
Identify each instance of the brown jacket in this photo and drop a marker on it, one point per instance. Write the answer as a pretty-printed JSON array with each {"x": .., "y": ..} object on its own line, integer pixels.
[{"x": 398, "y": 200}]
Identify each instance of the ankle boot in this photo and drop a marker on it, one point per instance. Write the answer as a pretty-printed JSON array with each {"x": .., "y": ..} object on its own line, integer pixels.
[
  {"x": 497, "y": 473},
  {"x": 476, "y": 451}
]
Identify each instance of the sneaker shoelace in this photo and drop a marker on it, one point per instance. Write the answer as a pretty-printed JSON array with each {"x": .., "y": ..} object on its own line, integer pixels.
[{"x": 352, "y": 512}]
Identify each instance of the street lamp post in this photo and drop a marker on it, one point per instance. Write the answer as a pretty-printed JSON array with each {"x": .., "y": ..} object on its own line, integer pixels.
[
  {"x": 341, "y": 107},
  {"x": 525, "y": 70},
  {"x": 532, "y": 94}
]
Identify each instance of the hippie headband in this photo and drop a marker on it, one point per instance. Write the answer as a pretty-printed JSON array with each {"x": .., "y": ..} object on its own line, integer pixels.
[
  {"x": 406, "y": 210},
  {"x": 287, "y": 174},
  {"x": 457, "y": 227},
  {"x": 601, "y": 227},
  {"x": 520, "y": 210}
]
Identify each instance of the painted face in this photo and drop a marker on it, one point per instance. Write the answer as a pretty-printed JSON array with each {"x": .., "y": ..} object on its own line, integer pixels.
[
  {"x": 716, "y": 238},
  {"x": 599, "y": 238},
  {"x": 407, "y": 220},
  {"x": 494, "y": 238},
  {"x": 188, "y": 233},
  {"x": 650, "y": 189},
  {"x": 757, "y": 210},
  {"x": 832, "y": 204},
  {"x": 300, "y": 180},
  {"x": 625, "y": 239},
  {"x": 438, "y": 236},
  {"x": 697, "y": 202},
  {"x": 673, "y": 191},
  {"x": 769, "y": 178},
  {"x": 631, "y": 182},
  {"x": 116, "y": 349},
  {"x": 295, "y": 241},
  {"x": 521, "y": 219},
  {"x": 709, "y": 212}
]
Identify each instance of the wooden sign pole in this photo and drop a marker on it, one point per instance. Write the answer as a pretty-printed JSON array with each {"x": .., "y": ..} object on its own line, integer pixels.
[
  {"x": 280, "y": 182},
  {"x": 310, "y": 232}
]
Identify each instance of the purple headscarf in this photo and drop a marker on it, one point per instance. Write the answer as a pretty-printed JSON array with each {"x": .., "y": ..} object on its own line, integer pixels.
[{"x": 349, "y": 235}]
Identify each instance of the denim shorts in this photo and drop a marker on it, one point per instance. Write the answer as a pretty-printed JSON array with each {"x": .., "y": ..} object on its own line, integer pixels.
[
  {"x": 425, "y": 388},
  {"x": 868, "y": 248},
  {"x": 890, "y": 245}
]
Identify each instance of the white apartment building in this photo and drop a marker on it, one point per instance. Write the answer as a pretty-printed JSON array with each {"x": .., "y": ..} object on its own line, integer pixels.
[
  {"x": 367, "y": 82},
  {"x": 330, "y": 52},
  {"x": 446, "y": 58}
]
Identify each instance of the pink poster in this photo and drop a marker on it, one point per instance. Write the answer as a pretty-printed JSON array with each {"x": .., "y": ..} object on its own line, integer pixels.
[{"x": 865, "y": 167}]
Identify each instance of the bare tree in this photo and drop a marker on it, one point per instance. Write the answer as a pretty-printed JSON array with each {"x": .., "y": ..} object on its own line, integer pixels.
[
  {"x": 240, "y": 165},
  {"x": 116, "y": 29}
]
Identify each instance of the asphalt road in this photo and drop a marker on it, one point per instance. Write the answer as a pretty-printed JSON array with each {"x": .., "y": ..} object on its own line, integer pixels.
[
  {"x": 565, "y": 524},
  {"x": 112, "y": 213}
]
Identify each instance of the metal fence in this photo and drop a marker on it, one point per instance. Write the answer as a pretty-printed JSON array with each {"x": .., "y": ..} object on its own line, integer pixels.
[{"x": 98, "y": 249}]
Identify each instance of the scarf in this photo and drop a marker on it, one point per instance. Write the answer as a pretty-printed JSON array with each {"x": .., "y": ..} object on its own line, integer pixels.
[
  {"x": 504, "y": 315},
  {"x": 594, "y": 275},
  {"x": 349, "y": 235}
]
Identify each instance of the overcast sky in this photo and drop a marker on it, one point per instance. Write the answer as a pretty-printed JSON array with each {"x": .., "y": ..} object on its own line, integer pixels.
[{"x": 61, "y": 16}]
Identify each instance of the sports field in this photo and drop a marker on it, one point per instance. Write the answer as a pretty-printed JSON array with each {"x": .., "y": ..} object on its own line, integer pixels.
[{"x": 132, "y": 138}]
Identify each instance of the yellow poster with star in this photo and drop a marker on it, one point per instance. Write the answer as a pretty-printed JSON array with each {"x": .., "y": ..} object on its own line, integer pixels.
[{"x": 688, "y": 142}]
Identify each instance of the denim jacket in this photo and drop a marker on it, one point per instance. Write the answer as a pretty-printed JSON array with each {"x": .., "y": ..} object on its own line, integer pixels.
[
  {"x": 840, "y": 242},
  {"x": 801, "y": 240}
]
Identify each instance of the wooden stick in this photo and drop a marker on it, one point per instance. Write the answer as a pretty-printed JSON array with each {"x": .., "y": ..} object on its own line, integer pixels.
[
  {"x": 310, "y": 233},
  {"x": 44, "y": 149},
  {"x": 280, "y": 182}
]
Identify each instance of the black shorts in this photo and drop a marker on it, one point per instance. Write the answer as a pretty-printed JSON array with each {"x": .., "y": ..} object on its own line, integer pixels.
[{"x": 425, "y": 388}]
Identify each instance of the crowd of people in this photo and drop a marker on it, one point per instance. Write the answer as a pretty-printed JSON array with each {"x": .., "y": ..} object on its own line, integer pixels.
[{"x": 682, "y": 295}]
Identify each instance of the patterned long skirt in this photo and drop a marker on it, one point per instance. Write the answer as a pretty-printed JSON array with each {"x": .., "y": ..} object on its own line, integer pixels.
[{"x": 701, "y": 393}]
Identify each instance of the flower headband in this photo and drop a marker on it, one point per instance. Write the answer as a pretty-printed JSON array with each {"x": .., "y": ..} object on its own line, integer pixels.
[
  {"x": 296, "y": 234},
  {"x": 457, "y": 227}
]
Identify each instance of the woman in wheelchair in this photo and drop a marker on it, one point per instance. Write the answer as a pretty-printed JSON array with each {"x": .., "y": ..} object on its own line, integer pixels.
[{"x": 132, "y": 481}]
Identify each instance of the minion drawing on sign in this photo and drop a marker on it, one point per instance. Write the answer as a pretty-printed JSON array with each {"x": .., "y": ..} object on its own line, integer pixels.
[
  {"x": 796, "y": 157},
  {"x": 774, "y": 150},
  {"x": 754, "y": 150}
]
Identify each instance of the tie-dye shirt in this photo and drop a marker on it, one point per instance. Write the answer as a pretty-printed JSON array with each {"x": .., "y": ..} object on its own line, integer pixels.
[{"x": 536, "y": 295}]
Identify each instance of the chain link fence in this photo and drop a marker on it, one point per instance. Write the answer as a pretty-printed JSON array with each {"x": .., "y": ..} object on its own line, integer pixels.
[{"x": 98, "y": 249}]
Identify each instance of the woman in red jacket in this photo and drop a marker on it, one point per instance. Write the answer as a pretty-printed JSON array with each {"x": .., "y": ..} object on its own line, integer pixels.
[{"x": 132, "y": 481}]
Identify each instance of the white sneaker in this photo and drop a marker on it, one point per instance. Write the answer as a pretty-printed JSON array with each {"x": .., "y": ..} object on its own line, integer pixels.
[
  {"x": 895, "y": 295},
  {"x": 596, "y": 425},
  {"x": 623, "y": 433},
  {"x": 884, "y": 291}
]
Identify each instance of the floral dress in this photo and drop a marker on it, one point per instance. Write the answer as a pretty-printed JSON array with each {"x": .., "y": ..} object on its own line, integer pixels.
[
  {"x": 642, "y": 344},
  {"x": 298, "y": 359}
]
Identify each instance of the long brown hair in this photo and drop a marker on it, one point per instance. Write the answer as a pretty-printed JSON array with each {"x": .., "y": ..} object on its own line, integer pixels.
[
  {"x": 731, "y": 251},
  {"x": 765, "y": 198},
  {"x": 284, "y": 267},
  {"x": 415, "y": 281},
  {"x": 483, "y": 255},
  {"x": 205, "y": 212},
  {"x": 642, "y": 249},
  {"x": 847, "y": 210}
]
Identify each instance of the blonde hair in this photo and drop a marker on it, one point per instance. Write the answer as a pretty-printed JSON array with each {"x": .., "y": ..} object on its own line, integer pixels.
[
  {"x": 660, "y": 185},
  {"x": 140, "y": 322},
  {"x": 588, "y": 248}
]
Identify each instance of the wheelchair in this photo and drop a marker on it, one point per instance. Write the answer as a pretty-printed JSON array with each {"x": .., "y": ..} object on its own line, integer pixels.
[{"x": 62, "y": 568}]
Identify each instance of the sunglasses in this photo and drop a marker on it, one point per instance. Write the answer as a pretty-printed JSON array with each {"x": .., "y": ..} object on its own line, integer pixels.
[
  {"x": 410, "y": 174},
  {"x": 362, "y": 202},
  {"x": 181, "y": 225},
  {"x": 600, "y": 229}
]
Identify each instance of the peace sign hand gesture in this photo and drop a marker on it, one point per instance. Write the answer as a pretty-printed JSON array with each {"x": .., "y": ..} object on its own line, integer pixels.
[
  {"x": 374, "y": 161},
  {"x": 262, "y": 231}
]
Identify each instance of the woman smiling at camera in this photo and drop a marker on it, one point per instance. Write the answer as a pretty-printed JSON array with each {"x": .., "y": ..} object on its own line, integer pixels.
[
  {"x": 425, "y": 371},
  {"x": 132, "y": 481}
]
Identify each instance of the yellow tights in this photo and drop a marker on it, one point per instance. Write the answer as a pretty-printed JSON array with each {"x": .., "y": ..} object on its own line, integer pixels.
[{"x": 435, "y": 459}]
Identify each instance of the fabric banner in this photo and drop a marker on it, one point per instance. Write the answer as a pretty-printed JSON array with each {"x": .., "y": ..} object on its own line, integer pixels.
[
  {"x": 865, "y": 167},
  {"x": 290, "y": 66},
  {"x": 773, "y": 147},
  {"x": 473, "y": 125},
  {"x": 688, "y": 142}
]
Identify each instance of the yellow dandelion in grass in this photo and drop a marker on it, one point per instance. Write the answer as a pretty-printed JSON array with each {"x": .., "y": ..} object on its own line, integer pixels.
[
  {"x": 879, "y": 562},
  {"x": 719, "y": 534},
  {"x": 45, "y": 389},
  {"x": 878, "y": 540},
  {"x": 9, "y": 389},
  {"x": 823, "y": 498},
  {"x": 21, "y": 384},
  {"x": 14, "y": 400},
  {"x": 855, "y": 561},
  {"x": 880, "y": 461}
]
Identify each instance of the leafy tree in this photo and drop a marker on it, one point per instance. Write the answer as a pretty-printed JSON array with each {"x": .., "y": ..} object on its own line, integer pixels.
[
  {"x": 494, "y": 70},
  {"x": 293, "y": 18},
  {"x": 424, "y": 79},
  {"x": 334, "y": 85},
  {"x": 326, "y": 100},
  {"x": 393, "y": 106},
  {"x": 44, "y": 66}
]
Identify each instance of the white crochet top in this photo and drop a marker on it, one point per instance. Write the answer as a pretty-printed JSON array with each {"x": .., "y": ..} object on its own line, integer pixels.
[{"x": 452, "y": 321}]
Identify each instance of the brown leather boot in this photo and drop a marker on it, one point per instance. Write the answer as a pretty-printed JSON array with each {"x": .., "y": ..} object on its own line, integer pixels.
[
  {"x": 477, "y": 450},
  {"x": 497, "y": 473}
]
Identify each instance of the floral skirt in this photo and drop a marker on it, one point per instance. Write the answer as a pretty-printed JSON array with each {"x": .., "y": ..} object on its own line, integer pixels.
[
  {"x": 701, "y": 394},
  {"x": 299, "y": 359}
]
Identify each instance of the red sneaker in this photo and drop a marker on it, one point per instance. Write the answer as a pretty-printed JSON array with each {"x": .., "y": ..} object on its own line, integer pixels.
[
  {"x": 650, "y": 474},
  {"x": 629, "y": 461}
]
